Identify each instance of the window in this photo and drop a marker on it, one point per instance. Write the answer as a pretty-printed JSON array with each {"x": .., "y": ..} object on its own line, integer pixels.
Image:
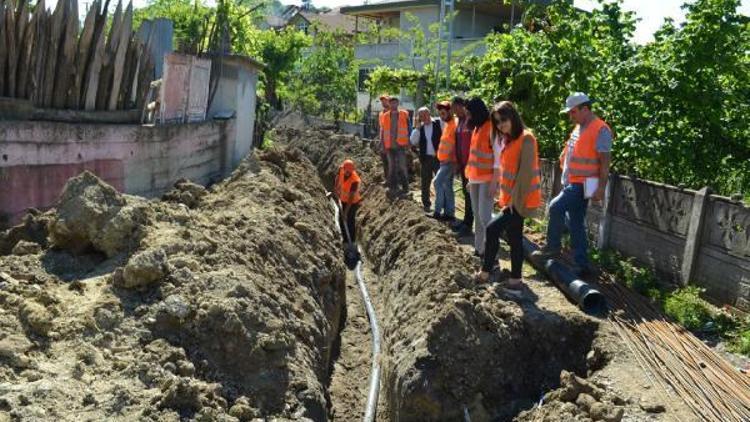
[{"x": 364, "y": 75}]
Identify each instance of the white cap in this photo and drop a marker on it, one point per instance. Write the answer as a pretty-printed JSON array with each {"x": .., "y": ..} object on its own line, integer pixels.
[{"x": 574, "y": 100}]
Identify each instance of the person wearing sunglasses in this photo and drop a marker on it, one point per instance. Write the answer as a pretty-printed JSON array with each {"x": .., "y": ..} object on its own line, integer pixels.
[{"x": 516, "y": 178}]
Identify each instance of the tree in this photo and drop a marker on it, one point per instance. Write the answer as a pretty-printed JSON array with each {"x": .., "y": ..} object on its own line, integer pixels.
[
  {"x": 279, "y": 51},
  {"x": 325, "y": 78}
]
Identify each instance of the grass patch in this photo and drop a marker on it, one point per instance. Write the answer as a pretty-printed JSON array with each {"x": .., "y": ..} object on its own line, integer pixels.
[
  {"x": 684, "y": 305},
  {"x": 268, "y": 140}
]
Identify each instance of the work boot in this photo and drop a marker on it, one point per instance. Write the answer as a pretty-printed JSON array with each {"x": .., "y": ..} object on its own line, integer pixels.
[
  {"x": 546, "y": 253},
  {"x": 427, "y": 208}
]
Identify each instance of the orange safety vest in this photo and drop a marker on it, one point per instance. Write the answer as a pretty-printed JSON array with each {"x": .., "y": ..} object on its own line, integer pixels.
[
  {"x": 381, "y": 119},
  {"x": 345, "y": 186},
  {"x": 509, "y": 163},
  {"x": 584, "y": 161},
  {"x": 402, "y": 135},
  {"x": 447, "y": 149},
  {"x": 481, "y": 158}
]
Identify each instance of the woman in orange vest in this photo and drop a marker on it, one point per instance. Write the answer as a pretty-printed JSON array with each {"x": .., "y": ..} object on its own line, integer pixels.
[
  {"x": 517, "y": 179},
  {"x": 479, "y": 169},
  {"x": 347, "y": 188}
]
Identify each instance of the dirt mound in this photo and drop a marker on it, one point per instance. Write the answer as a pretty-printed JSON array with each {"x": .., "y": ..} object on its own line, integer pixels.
[
  {"x": 224, "y": 305},
  {"x": 577, "y": 400},
  {"x": 91, "y": 213},
  {"x": 449, "y": 344}
]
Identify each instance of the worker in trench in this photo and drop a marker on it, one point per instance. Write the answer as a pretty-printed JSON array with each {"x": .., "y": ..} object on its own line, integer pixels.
[
  {"x": 347, "y": 189},
  {"x": 516, "y": 183}
]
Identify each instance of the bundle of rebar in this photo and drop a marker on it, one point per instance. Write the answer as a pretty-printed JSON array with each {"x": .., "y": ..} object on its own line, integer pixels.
[{"x": 677, "y": 362}]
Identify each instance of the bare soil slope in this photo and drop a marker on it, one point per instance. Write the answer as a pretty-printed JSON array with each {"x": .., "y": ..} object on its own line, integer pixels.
[{"x": 221, "y": 305}]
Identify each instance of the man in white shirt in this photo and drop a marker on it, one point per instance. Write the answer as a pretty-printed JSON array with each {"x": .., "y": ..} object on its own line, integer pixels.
[{"x": 426, "y": 135}]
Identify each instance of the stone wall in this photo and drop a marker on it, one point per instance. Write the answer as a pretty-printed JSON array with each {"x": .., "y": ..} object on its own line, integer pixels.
[
  {"x": 37, "y": 158},
  {"x": 691, "y": 236}
]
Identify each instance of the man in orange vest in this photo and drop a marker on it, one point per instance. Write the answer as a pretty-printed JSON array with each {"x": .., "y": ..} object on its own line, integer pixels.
[
  {"x": 585, "y": 162},
  {"x": 347, "y": 188},
  {"x": 385, "y": 103},
  {"x": 396, "y": 142},
  {"x": 444, "y": 197}
]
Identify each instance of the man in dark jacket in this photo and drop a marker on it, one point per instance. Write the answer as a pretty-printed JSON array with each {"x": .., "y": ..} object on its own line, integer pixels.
[
  {"x": 426, "y": 135},
  {"x": 463, "y": 141}
]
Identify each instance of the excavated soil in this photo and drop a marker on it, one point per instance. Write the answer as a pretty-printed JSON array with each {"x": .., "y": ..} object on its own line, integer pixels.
[
  {"x": 452, "y": 348},
  {"x": 233, "y": 303},
  {"x": 209, "y": 305}
]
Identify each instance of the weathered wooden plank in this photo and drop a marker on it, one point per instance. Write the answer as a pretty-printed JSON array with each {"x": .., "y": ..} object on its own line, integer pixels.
[
  {"x": 92, "y": 76},
  {"x": 25, "y": 61},
  {"x": 53, "y": 49},
  {"x": 12, "y": 46},
  {"x": 3, "y": 47},
  {"x": 105, "y": 79},
  {"x": 67, "y": 55},
  {"x": 143, "y": 48},
  {"x": 131, "y": 60},
  {"x": 21, "y": 20},
  {"x": 40, "y": 53},
  {"x": 122, "y": 48},
  {"x": 144, "y": 77},
  {"x": 76, "y": 98}
]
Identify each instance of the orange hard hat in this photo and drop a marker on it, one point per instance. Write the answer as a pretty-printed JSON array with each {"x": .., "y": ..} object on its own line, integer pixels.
[{"x": 348, "y": 165}]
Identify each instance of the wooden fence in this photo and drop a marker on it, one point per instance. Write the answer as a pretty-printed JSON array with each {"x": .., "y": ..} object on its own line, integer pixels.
[
  {"x": 49, "y": 59},
  {"x": 691, "y": 236}
]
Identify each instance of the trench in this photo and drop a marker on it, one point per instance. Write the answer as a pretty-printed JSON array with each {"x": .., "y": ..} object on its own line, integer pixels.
[{"x": 451, "y": 349}]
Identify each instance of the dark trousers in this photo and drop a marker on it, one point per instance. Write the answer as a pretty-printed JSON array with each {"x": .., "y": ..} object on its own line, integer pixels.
[
  {"x": 429, "y": 165},
  {"x": 384, "y": 157},
  {"x": 511, "y": 223},
  {"x": 349, "y": 221},
  {"x": 468, "y": 212}
]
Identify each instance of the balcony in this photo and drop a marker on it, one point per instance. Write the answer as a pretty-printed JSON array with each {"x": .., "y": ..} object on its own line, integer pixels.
[{"x": 387, "y": 53}]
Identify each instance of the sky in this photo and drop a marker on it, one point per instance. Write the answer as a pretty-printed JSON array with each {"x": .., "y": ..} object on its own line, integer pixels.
[{"x": 650, "y": 12}]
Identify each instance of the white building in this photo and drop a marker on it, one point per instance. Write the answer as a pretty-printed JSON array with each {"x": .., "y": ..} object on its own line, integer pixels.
[{"x": 473, "y": 20}]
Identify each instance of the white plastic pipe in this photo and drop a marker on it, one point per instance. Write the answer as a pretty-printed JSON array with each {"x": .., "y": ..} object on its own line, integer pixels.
[{"x": 371, "y": 408}]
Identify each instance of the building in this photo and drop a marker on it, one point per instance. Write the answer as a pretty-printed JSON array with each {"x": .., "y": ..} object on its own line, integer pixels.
[
  {"x": 473, "y": 20},
  {"x": 304, "y": 20}
]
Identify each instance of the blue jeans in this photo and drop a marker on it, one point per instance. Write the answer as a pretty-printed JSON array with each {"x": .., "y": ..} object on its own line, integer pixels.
[
  {"x": 571, "y": 203},
  {"x": 445, "y": 199}
]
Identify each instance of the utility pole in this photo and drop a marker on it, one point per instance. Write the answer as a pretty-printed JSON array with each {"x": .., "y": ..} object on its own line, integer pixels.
[
  {"x": 441, "y": 20},
  {"x": 450, "y": 44}
]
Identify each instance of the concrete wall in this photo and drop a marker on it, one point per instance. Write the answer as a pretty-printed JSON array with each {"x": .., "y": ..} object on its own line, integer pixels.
[
  {"x": 236, "y": 92},
  {"x": 37, "y": 158},
  {"x": 688, "y": 235}
]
